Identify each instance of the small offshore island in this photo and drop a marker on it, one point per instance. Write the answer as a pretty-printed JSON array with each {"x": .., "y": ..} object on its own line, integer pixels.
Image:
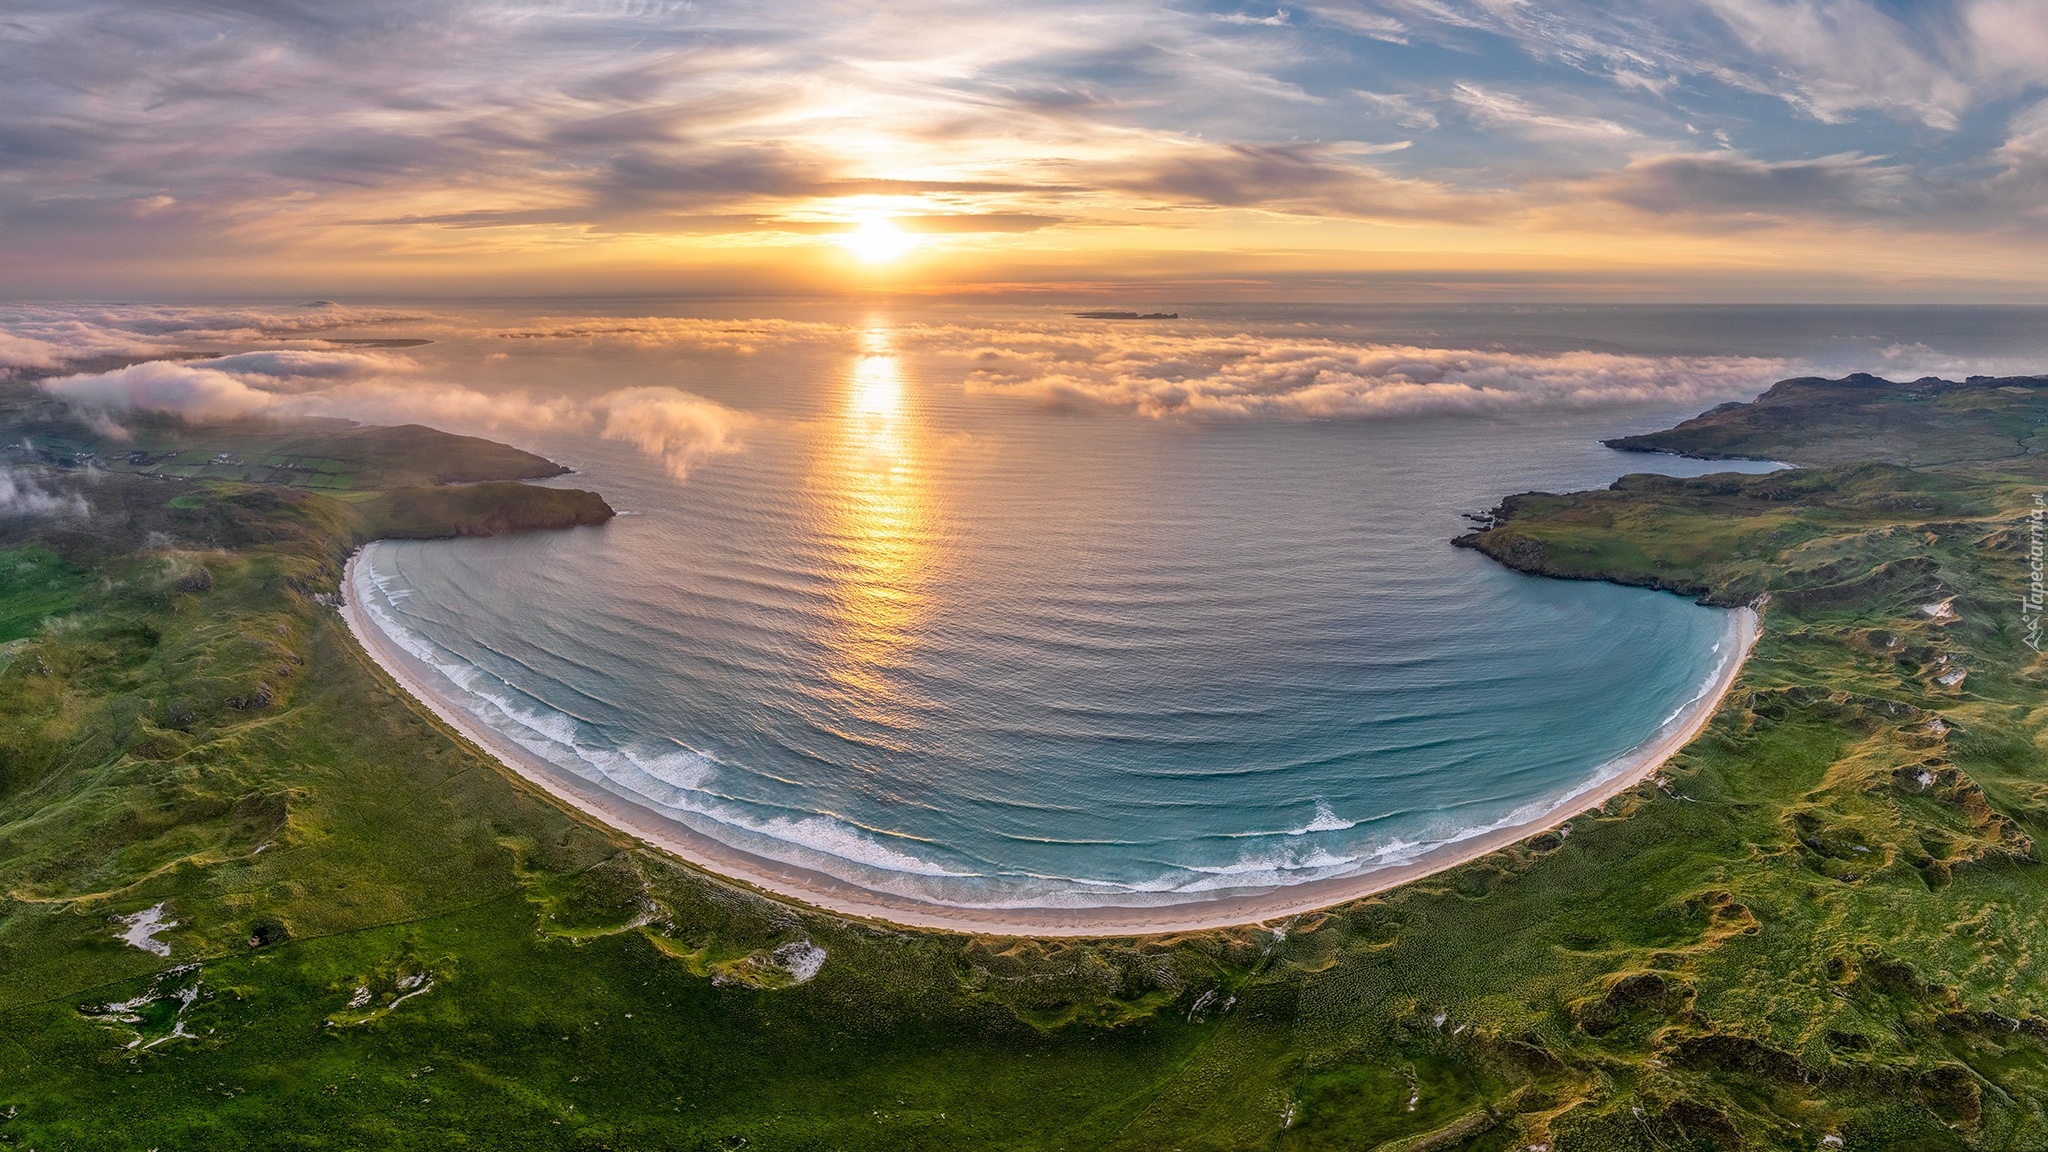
[{"x": 259, "y": 897}]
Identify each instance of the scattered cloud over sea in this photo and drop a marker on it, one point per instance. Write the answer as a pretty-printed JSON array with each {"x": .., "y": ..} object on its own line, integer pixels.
[
  {"x": 378, "y": 386},
  {"x": 679, "y": 428}
]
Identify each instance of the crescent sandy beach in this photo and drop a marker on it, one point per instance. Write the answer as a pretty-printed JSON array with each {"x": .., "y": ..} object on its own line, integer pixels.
[{"x": 432, "y": 692}]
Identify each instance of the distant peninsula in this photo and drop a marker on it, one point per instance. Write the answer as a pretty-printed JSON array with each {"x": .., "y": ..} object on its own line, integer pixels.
[{"x": 1128, "y": 315}]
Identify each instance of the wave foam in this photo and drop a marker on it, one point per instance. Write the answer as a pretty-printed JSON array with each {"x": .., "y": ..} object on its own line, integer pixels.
[{"x": 1326, "y": 821}]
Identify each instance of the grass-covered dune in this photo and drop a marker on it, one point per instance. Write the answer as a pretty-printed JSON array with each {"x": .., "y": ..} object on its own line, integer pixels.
[{"x": 1817, "y": 929}]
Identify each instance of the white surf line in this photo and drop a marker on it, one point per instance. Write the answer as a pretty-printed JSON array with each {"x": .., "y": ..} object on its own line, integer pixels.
[{"x": 832, "y": 895}]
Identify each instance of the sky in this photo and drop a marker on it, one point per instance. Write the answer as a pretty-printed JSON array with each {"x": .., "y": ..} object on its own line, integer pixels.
[{"x": 1673, "y": 150}]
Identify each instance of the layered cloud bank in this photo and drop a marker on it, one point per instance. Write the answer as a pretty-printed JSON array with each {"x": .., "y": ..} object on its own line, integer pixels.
[
  {"x": 320, "y": 362},
  {"x": 1243, "y": 376},
  {"x": 378, "y": 388},
  {"x": 1284, "y": 370},
  {"x": 1201, "y": 372},
  {"x": 677, "y": 427},
  {"x": 41, "y": 337}
]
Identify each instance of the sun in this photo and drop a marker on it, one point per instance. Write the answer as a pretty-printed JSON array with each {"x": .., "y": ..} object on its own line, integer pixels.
[{"x": 878, "y": 241}]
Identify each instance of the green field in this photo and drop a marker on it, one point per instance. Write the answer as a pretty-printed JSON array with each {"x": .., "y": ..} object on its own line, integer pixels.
[{"x": 1816, "y": 931}]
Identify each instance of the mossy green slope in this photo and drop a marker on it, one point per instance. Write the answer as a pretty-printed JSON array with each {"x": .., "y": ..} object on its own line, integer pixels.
[{"x": 1818, "y": 926}]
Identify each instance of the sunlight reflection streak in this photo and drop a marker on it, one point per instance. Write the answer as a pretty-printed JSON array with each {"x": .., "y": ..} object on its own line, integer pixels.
[{"x": 878, "y": 502}]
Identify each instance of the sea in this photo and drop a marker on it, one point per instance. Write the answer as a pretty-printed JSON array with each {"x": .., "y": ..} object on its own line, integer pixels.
[{"x": 992, "y": 606}]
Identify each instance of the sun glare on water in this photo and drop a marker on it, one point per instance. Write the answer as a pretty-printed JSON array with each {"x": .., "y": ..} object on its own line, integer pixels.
[{"x": 878, "y": 241}]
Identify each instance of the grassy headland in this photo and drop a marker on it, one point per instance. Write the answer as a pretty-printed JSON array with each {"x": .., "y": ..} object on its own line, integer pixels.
[{"x": 1818, "y": 927}]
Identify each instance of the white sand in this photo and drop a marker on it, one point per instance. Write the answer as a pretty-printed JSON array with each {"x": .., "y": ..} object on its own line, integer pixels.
[{"x": 837, "y": 896}]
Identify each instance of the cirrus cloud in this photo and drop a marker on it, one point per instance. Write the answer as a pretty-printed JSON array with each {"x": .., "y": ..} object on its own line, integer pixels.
[{"x": 1725, "y": 184}]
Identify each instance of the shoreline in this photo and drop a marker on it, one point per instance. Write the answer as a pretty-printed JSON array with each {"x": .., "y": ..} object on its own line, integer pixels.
[{"x": 829, "y": 894}]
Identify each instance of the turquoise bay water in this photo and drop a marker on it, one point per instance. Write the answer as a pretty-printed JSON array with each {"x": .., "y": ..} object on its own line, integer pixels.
[{"x": 970, "y": 648}]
